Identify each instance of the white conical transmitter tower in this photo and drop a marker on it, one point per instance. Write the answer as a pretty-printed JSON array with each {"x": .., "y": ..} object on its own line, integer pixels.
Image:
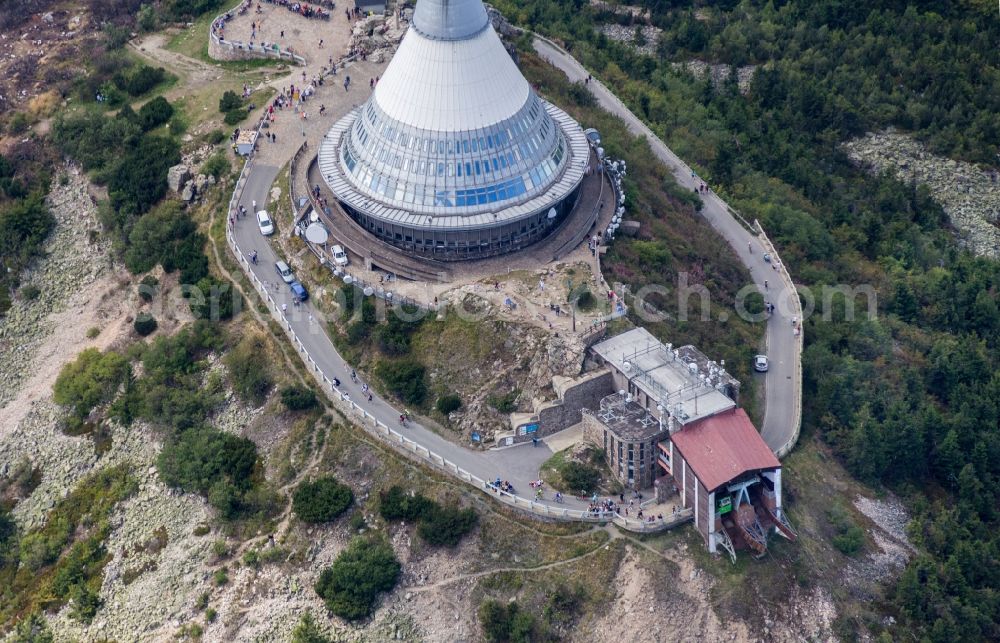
[{"x": 453, "y": 155}]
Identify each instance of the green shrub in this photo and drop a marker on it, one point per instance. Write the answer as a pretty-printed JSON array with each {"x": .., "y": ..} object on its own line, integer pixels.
[
  {"x": 251, "y": 558},
  {"x": 445, "y": 526},
  {"x": 580, "y": 476},
  {"x": 139, "y": 178},
  {"x": 115, "y": 36},
  {"x": 506, "y": 403},
  {"x": 215, "y": 300},
  {"x": 235, "y": 117},
  {"x": 230, "y": 100},
  {"x": 89, "y": 380},
  {"x": 357, "y": 332},
  {"x": 506, "y": 623},
  {"x": 211, "y": 615},
  {"x": 850, "y": 541},
  {"x": 307, "y": 631},
  {"x": 586, "y": 301},
  {"x": 144, "y": 324},
  {"x": 216, "y": 464},
  {"x": 321, "y": 500},
  {"x": 249, "y": 369},
  {"x": 437, "y": 525},
  {"x": 404, "y": 378},
  {"x": 18, "y": 124},
  {"x": 357, "y": 521},
  {"x": 24, "y": 226},
  {"x": 169, "y": 237},
  {"x": 8, "y": 535},
  {"x": 397, "y": 504},
  {"x": 215, "y": 137},
  {"x": 67, "y": 569},
  {"x": 449, "y": 403},
  {"x": 217, "y": 165},
  {"x": 221, "y": 576},
  {"x": 220, "y": 548},
  {"x": 30, "y": 292},
  {"x": 155, "y": 113},
  {"x": 146, "y": 18},
  {"x": 298, "y": 398},
  {"x": 360, "y": 573},
  {"x": 186, "y": 10},
  {"x": 33, "y": 629},
  {"x": 849, "y": 537},
  {"x": 139, "y": 81},
  {"x": 147, "y": 287}
]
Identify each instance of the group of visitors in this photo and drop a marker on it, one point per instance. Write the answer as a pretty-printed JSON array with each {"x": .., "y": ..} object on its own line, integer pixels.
[
  {"x": 602, "y": 506},
  {"x": 305, "y": 10},
  {"x": 502, "y": 485}
]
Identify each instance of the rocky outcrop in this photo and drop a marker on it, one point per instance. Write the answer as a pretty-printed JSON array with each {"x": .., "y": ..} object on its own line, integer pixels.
[
  {"x": 970, "y": 196},
  {"x": 650, "y": 36},
  {"x": 177, "y": 176},
  {"x": 718, "y": 73}
]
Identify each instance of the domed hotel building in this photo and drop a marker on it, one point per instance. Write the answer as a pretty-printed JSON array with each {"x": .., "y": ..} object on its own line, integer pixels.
[{"x": 454, "y": 156}]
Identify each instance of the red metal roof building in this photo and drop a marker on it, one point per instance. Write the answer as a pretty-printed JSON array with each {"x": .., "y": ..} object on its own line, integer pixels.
[{"x": 725, "y": 470}]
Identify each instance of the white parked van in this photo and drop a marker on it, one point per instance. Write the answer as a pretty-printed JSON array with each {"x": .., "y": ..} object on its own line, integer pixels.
[{"x": 339, "y": 256}]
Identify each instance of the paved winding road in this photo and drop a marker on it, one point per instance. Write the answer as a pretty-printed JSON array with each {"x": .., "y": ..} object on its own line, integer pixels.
[{"x": 783, "y": 381}]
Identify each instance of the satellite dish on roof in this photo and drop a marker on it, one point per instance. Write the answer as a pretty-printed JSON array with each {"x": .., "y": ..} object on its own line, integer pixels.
[
  {"x": 369, "y": 291},
  {"x": 552, "y": 213},
  {"x": 626, "y": 366},
  {"x": 316, "y": 233}
]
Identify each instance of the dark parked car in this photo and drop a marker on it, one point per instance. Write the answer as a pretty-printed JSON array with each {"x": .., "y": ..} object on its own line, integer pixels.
[{"x": 299, "y": 291}]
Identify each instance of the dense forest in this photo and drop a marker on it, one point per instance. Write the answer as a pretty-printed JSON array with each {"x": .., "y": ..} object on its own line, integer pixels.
[{"x": 908, "y": 398}]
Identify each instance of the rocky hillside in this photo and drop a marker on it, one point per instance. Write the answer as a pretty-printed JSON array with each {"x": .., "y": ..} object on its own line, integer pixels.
[{"x": 969, "y": 195}]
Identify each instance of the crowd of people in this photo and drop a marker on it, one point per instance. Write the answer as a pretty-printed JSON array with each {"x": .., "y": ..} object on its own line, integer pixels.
[
  {"x": 502, "y": 485},
  {"x": 306, "y": 10}
]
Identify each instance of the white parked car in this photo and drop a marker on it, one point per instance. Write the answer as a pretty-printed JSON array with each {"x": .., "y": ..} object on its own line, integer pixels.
[
  {"x": 264, "y": 223},
  {"x": 339, "y": 256},
  {"x": 284, "y": 272},
  {"x": 760, "y": 363}
]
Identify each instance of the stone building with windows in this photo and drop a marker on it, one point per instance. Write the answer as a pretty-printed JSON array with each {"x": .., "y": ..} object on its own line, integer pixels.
[
  {"x": 454, "y": 156},
  {"x": 629, "y": 435}
]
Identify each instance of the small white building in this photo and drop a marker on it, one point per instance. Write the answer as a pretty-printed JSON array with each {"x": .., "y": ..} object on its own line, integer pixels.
[{"x": 245, "y": 141}]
